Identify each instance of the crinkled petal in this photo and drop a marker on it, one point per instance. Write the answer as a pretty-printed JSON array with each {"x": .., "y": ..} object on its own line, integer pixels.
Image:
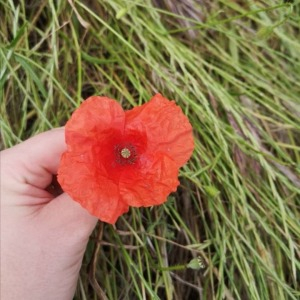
[
  {"x": 95, "y": 174},
  {"x": 92, "y": 190},
  {"x": 93, "y": 123},
  {"x": 168, "y": 129},
  {"x": 151, "y": 183}
]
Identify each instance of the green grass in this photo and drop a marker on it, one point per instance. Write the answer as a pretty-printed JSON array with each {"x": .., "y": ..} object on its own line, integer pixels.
[{"x": 235, "y": 71}]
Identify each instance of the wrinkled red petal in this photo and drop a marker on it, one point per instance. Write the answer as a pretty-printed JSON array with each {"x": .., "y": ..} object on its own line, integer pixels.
[
  {"x": 168, "y": 129},
  {"x": 94, "y": 122},
  {"x": 151, "y": 183},
  {"x": 93, "y": 191},
  {"x": 94, "y": 173}
]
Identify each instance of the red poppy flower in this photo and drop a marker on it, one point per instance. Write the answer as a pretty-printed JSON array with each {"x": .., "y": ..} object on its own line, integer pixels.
[{"x": 116, "y": 158}]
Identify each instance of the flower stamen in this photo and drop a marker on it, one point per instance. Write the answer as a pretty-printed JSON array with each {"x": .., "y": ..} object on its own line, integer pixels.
[{"x": 125, "y": 153}]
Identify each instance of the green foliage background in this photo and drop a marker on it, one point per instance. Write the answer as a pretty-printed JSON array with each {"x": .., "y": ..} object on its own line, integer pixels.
[{"x": 233, "y": 67}]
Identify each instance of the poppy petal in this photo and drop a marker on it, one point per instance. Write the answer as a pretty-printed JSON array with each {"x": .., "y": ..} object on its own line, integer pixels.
[
  {"x": 93, "y": 122},
  {"x": 168, "y": 129},
  {"x": 150, "y": 184},
  {"x": 115, "y": 159},
  {"x": 94, "y": 192}
]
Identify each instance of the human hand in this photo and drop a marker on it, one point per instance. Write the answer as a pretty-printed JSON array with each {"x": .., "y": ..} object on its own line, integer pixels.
[{"x": 43, "y": 238}]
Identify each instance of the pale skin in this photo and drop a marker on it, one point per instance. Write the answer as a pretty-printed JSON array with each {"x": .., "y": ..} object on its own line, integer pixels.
[{"x": 43, "y": 238}]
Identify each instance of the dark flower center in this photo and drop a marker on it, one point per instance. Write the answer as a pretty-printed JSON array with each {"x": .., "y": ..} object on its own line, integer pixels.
[{"x": 125, "y": 154}]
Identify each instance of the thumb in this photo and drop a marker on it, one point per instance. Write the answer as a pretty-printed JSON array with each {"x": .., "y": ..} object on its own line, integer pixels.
[{"x": 63, "y": 212}]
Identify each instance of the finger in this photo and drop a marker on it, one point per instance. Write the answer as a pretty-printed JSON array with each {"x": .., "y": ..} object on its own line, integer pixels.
[
  {"x": 39, "y": 157},
  {"x": 63, "y": 212}
]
